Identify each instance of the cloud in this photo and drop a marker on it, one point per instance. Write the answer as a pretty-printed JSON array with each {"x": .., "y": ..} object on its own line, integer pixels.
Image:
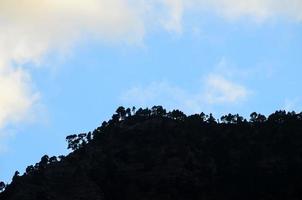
[
  {"x": 259, "y": 10},
  {"x": 262, "y": 70},
  {"x": 214, "y": 90},
  {"x": 31, "y": 29},
  {"x": 292, "y": 104},
  {"x": 15, "y": 97},
  {"x": 155, "y": 93},
  {"x": 221, "y": 90},
  {"x": 175, "y": 9}
]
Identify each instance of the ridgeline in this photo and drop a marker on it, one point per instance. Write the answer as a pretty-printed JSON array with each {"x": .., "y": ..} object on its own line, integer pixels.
[{"x": 151, "y": 154}]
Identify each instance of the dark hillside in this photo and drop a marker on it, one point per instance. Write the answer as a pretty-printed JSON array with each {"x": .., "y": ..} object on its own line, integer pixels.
[{"x": 155, "y": 155}]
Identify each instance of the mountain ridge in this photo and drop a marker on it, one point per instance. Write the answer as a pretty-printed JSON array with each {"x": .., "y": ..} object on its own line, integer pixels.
[{"x": 154, "y": 154}]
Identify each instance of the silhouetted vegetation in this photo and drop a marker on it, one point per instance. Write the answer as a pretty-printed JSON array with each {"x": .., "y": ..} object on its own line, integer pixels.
[
  {"x": 2, "y": 186},
  {"x": 148, "y": 154}
]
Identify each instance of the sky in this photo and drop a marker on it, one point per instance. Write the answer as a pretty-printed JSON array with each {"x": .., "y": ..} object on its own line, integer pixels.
[{"x": 66, "y": 65}]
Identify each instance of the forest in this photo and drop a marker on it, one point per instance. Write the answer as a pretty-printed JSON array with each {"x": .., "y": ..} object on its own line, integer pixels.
[{"x": 149, "y": 154}]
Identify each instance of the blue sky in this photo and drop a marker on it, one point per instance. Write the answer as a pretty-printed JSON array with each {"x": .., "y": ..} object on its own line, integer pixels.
[{"x": 65, "y": 65}]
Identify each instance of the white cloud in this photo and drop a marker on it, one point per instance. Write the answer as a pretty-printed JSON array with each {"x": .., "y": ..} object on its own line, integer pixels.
[
  {"x": 262, "y": 9},
  {"x": 292, "y": 104},
  {"x": 215, "y": 90},
  {"x": 155, "y": 93},
  {"x": 30, "y": 29},
  {"x": 221, "y": 90},
  {"x": 259, "y": 10},
  {"x": 175, "y": 9},
  {"x": 230, "y": 70},
  {"x": 15, "y": 96}
]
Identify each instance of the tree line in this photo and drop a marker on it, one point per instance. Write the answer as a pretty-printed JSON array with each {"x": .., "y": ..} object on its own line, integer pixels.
[{"x": 78, "y": 141}]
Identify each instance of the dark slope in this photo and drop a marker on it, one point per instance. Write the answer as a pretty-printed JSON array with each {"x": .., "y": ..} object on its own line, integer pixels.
[{"x": 163, "y": 156}]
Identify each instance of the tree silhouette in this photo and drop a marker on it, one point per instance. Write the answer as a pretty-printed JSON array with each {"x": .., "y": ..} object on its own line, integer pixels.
[
  {"x": 115, "y": 118},
  {"x": 158, "y": 111},
  {"x": 72, "y": 141},
  {"x": 139, "y": 112},
  {"x": 43, "y": 162},
  {"x": 257, "y": 118},
  {"x": 2, "y": 186},
  {"x": 133, "y": 110},
  {"x": 82, "y": 139},
  {"x": 16, "y": 175},
  {"x": 61, "y": 157},
  {"x": 53, "y": 159},
  {"x": 211, "y": 119},
  {"x": 278, "y": 117},
  {"x": 121, "y": 113},
  {"x": 228, "y": 119},
  {"x": 30, "y": 169},
  {"x": 232, "y": 119},
  {"x": 128, "y": 112},
  {"x": 203, "y": 117},
  {"x": 143, "y": 112},
  {"x": 177, "y": 114},
  {"x": 104, "y": 124},
  {"x": 77, "y": 141},
  {"x": 89, "y": 137}
]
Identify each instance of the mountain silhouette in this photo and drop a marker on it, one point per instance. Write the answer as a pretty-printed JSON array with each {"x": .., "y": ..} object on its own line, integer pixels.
[{"x": 152, "y": 154}]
